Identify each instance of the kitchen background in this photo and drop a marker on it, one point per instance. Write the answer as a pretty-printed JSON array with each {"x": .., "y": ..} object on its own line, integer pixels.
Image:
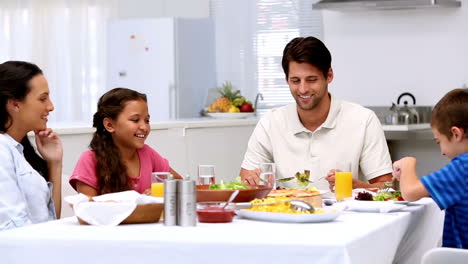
[{"x": 377, "y": 55}]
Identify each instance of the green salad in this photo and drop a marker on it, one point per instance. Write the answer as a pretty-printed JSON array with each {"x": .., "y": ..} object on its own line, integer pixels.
[
  {"x": 237, "y": 185},
  {"x": 385, "y": 196}
]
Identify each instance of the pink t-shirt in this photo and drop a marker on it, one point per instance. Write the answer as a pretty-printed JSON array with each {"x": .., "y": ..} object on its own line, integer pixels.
[{"x": 150, "y": 161}]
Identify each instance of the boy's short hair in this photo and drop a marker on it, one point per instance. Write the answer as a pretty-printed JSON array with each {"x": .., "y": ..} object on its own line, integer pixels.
[{"x": 450, "y": 111}]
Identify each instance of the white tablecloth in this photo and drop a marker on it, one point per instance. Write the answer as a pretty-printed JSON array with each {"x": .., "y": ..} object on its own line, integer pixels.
[{"x": 398, "y": 237}]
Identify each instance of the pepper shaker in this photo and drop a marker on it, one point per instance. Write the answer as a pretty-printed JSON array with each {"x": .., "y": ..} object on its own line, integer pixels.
[{"x": 187, "y": 202}]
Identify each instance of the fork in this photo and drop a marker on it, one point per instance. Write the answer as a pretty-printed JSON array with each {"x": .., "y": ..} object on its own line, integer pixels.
[{"x": 321, "y": 178}]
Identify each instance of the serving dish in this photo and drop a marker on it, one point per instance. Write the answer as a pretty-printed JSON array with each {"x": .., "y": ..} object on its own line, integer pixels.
[{"x": 204, "y": 194}]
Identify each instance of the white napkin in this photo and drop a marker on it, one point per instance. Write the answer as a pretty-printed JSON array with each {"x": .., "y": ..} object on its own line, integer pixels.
[
  {"x": 373, "y": 206},
  {"x": 108, "y": 209}
]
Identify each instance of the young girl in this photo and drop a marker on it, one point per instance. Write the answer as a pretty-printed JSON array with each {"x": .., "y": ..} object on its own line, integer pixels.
[
  {"x": 119, "y": 160},
  {"x": 30, "y": 186}
]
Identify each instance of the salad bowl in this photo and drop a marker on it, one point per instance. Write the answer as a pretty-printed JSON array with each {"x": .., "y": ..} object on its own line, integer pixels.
[{"x": 205, "y": 194}]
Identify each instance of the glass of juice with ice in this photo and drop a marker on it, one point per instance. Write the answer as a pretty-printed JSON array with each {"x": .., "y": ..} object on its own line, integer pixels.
[{"x": 157, "y": 183}]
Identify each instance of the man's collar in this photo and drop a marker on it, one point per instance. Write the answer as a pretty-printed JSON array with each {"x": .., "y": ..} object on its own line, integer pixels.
[{"x": 330, "y": 122}]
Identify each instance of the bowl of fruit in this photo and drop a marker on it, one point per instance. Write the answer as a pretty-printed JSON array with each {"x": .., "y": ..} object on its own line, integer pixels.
[{"x": 230, "y": 104}]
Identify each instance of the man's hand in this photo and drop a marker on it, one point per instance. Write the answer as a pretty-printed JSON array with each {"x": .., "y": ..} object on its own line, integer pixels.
[
  {"x": 250, "y": 177},
  {"x": 331, "y": 179}
]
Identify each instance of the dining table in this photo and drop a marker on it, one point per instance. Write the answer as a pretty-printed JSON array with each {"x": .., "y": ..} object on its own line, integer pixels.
[{"x": 401, "y": 236}]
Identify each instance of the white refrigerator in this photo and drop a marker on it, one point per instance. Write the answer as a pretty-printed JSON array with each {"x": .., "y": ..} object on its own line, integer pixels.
[{"x": 171, "y": 60}]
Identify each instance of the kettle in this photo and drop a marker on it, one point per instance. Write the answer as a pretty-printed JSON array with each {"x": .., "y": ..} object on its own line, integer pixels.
[{"x": 404, "y": 115}]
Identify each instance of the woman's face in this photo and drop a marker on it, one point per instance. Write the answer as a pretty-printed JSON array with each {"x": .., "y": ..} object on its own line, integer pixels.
[{"x": 35, "y": 108}]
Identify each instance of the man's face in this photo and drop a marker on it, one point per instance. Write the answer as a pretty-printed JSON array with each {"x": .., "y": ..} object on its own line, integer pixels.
[{"x": 307, "y": 84}]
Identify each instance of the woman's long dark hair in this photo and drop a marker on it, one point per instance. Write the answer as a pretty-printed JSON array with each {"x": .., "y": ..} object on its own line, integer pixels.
[
  {"x": 14, "y": 79},
  {"x": 112, "y": 173}
]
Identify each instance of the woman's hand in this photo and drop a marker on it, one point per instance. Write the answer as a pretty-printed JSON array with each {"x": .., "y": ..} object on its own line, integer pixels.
[{"x": 49, "y": 145}]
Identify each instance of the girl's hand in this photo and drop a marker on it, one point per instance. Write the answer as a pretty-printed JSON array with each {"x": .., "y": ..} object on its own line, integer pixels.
[
  {"x": 147, "y": 191},
  {"x": 49, "y": 145}
]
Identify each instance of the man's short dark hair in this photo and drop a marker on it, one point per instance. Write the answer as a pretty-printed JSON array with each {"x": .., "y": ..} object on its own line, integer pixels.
[{"x": 307, "y": 49}]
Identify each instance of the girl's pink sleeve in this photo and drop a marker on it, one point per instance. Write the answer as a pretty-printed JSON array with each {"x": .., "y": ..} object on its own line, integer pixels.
[{"x": 85, "y": 171}]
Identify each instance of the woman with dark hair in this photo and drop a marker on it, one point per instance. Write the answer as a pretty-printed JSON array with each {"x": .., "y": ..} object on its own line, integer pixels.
[
  {"x": 119, "y": 159},
  {"x": 30, "y": 185}
]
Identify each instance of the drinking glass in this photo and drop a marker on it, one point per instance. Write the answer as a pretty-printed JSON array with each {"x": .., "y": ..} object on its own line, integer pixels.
[
  {"x": 157, "y": 183},
  {"x": 267, "y": 175},
  {"x": 206, "y": 174},
  {"x": 343, "y": 182}
]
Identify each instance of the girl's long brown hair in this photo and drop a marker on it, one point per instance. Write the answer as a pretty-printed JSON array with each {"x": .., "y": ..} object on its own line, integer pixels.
[{"x": 112, "y": 173}]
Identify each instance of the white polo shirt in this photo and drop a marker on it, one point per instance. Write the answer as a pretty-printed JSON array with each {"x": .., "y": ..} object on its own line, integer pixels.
[{"x": 350, "y": 135}]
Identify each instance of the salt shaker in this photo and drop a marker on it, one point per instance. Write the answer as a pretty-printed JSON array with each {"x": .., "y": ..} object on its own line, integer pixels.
[
  {"x": 187, "y": 202},
  {"x": 170, "y": 202}
]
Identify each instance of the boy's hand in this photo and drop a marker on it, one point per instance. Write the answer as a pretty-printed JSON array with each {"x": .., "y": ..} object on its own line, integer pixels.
[
  {"x": 406, "y": 162},
  {"x": 397, "y": 169}
]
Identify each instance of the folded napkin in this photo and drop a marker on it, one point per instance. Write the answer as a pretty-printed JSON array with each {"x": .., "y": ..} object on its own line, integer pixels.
[{"x": 108, "y": 209}]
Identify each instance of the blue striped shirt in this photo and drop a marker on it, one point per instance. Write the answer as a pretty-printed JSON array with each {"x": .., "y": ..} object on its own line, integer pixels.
[{"x": 449, "y": 189}]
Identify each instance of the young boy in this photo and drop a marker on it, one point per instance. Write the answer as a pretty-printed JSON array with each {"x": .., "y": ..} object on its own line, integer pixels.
[{"x": 448, "y": 186}]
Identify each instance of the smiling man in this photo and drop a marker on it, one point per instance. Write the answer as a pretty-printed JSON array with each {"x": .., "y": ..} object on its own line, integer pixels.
[{"x": 319, "y": 132}]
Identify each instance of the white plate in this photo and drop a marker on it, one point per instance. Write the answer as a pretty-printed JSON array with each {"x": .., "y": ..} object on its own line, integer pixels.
[
  {"x": 230, "y": 115},
  {"x": 373, "y": 206},
  {"x": 330, "y": 215}
]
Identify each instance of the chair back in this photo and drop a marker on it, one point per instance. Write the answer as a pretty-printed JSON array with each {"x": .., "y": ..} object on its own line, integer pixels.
[{"x": 445, "y": 256}]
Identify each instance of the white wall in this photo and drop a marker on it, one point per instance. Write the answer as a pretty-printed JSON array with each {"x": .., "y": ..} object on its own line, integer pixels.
[
  {"x": 379, "y": 54},
  {"x": 163, "y": 8}
]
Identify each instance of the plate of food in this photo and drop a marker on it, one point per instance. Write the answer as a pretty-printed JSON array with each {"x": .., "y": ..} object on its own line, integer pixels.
[
  {"x": 222, "y": 191},
  {"x": 310, "y": 195},
  {"x": 281, "y": 212},
  {"x": 394, "y": 196}
]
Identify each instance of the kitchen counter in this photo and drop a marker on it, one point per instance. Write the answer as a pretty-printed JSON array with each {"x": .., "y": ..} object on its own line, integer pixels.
[
  {"x": 408, "y": 132},
  {"x": 392, "y": 132},
  {"x": 202, "y": 122}
]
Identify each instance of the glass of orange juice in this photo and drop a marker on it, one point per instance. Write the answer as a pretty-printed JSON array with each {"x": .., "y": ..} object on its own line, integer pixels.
[
  {"x": 157, "y": 183},
  {"x": 343, "y": 183}
]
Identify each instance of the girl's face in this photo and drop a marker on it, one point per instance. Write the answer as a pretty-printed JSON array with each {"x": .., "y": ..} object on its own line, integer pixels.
[
  {"x": 34, "y": 109},
  {"x": 131, "y": 128}
]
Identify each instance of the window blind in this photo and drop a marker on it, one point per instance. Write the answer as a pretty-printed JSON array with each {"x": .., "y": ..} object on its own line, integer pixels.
[{"x": 257, "y": 43}]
